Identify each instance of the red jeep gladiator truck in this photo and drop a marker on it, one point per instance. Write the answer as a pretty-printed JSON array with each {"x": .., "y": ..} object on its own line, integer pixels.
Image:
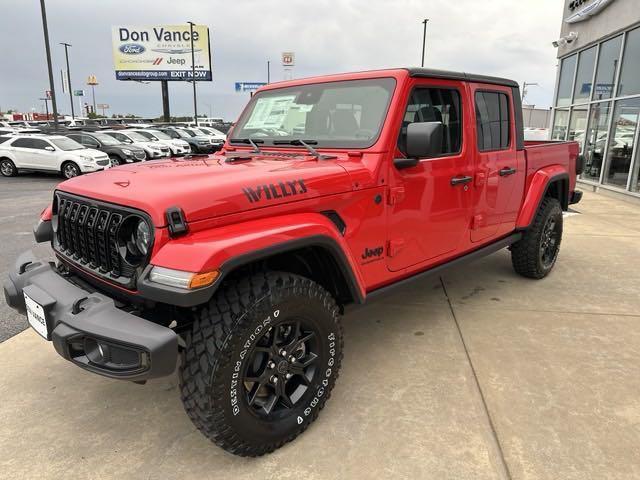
[{"x": 329, "y": 191}]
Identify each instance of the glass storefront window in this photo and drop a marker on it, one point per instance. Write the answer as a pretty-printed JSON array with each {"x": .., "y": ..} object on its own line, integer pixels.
[
  {"x": 607, "y": 68},
  {"x": 567, "y": 70},
  {"x": 620, "y": 152},
  {"x": 560, "y": 124},
  {"x": 584, "y": 75},
  {"x": 596, "y": 137},
  {"x": 578, "y": 125},
  {"x": 630, "y": 73}
]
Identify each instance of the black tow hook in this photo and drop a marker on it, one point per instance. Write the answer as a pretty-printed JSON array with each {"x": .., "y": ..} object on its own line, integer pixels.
[{"x": 77, "y": 307}]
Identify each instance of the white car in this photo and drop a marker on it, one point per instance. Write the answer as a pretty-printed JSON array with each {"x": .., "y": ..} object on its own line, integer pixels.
[
  {"x": 53, "y": 153},
  {"x": 217, "y": 134},
  {"x": 152, "y": 149},
  {"x": 177, "y": 147},
  {"x": 9, "y": 132}
]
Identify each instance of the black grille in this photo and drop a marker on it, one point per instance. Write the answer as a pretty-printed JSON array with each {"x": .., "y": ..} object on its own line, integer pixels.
[{"x": 87, "y": 233}]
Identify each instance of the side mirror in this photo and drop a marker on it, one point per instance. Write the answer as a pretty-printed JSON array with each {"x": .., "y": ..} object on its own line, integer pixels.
[
  {"x": 424, "y": 140},
  {"x": 50, "y": 148}
]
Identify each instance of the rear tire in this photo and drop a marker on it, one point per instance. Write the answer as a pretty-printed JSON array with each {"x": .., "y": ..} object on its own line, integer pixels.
[
  {"x": 70, "y": 170},
  {"x": 239, "y": 385},
  {"x": 116, "y": 161},
  {"x": 8, "y": 168},
  {"x": 535, "y": 254}
]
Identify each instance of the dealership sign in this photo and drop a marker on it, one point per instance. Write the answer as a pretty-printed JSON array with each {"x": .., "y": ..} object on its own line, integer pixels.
[
  {"x": 161, "y": 52},
  {"x": 584, "y": 9}
]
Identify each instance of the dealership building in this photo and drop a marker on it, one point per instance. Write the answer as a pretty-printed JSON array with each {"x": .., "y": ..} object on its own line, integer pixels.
[{"x": 597, "y": 99}]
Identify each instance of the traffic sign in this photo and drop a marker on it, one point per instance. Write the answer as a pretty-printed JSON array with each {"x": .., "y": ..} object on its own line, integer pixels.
[
  {"x": 248, "y": 86},
  {"x": 78, "y": 93}
]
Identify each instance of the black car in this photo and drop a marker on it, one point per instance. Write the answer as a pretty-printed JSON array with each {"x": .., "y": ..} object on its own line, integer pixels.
[
  {"x": 119, "y": 153},
  {"x": 198, "y": 144}
]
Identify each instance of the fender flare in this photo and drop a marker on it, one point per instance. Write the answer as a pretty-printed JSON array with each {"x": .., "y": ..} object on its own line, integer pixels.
[
  {"x": 538, "y": 189},
  {"x": 232, "y": 246}
]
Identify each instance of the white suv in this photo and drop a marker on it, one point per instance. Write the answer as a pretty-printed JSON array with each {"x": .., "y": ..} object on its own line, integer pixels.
[
  {"x": 53, "y": 153},
  {"x": 152, "y": 149},
  {"x": 177, "y": 147}
]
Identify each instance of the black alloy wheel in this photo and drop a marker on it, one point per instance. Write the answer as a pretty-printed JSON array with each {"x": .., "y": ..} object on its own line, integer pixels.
[{"x": 281, "y": 368}]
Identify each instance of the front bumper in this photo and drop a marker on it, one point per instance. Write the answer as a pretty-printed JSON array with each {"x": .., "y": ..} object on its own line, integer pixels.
[
  {"x": 576, "y": 196},
  {"x": 88, "y": 329}
]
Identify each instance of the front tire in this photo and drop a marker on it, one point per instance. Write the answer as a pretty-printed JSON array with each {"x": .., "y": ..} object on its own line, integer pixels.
[
  {"x": 239, "y": 385},
  {"x": 8, "y": 168},
  {"x": 70, "y": 170},
  {"x": 116, "y": 161},
  {"x": 535, "y": 254}
]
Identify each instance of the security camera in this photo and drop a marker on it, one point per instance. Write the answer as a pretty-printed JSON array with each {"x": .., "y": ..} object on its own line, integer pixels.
[
  {"x": 571, "y": 37},
  {"x": 561, "y": 42}
]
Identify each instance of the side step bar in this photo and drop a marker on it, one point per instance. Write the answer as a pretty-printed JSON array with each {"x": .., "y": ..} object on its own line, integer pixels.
[{"x": 469, "y": 257}]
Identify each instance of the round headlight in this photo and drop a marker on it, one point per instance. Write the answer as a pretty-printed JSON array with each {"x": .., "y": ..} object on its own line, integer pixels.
[{"x": 142, "y": 237}]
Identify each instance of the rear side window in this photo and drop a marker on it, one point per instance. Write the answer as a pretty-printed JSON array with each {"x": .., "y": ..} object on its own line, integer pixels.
[
  {"x": 492, "y": 121},
  {"x": 435, "y": 105},
  {"x": 30, "y": 143},
  {"x": 4, "y": 139}
]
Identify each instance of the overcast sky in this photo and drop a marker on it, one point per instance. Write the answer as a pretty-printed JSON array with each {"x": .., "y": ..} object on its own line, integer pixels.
[{"x": 507, "y": 38}]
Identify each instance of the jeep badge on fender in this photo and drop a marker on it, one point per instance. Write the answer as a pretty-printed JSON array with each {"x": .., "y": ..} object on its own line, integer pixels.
[{"x": 248, "y": 297}]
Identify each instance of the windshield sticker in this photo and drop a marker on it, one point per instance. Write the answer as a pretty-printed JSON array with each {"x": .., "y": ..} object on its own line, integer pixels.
[
  {"x": 269, "y": 112},
  {"x": 274, "y": 191}
]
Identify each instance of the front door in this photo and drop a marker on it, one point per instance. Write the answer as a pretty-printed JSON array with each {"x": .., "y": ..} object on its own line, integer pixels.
[
  {"x": 429, "y": 214},
  {"x": 498, "y": 168}
]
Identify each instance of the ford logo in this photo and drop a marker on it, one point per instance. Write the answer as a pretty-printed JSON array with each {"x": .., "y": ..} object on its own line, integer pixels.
[{"x": 132, "y": 49}]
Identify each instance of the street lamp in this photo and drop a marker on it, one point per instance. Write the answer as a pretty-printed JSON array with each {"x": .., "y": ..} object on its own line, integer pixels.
[
  {"x": 193, "y": 76},
  {"x": 45, "y": 30},
  {"x": 424, "y": 38},
  {"x": 66, "y": 54}
]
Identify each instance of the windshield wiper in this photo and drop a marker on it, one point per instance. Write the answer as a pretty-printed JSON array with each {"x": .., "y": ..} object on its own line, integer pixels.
[
  {"x": 305, "y": 144},
  {"x": 252, "y": 142}
]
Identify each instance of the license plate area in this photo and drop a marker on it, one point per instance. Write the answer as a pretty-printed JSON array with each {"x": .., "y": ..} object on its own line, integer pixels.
[{"x": 38, "y": 307}]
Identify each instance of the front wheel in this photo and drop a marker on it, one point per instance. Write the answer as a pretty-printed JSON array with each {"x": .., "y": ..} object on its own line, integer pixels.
[
  {"x": 260, "y": 361},
  {"x": 70, "y": 170},
  {"x": 116, "y": 161},
  {"x": 535, "y": 254},
  {"x": 8, "y": 168}
]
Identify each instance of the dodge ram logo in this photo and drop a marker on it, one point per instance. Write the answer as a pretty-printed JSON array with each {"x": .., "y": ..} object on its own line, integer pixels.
[{"x": 273, "y": 191}]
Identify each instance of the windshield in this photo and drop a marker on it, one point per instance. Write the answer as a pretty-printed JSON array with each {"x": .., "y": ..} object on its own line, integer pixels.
[
  {"x": 136, "y": 137},
  {"x": 160, "y": 135},
  {"x": 189, "y": 132},
  {"x": 106, "y": 139},
  {"x": 182, "y": 134},
  {"x": 335, "y": 114},
  {"x": 66, "y": 144}
]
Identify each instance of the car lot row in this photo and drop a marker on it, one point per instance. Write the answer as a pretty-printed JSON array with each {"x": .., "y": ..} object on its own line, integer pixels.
[{"x": 75, "y": 151}]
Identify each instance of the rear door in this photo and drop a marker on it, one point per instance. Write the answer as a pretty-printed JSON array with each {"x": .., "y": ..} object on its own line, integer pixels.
[
  {"x": 26, "y": 152},
  {"x": 498, "y": 168},
  {"x": 429, "y": 214}
]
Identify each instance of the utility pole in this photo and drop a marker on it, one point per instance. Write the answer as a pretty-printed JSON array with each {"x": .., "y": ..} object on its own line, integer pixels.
[
  {"x": 268, "y": 71},
  {"x": 524, "y": 89},
  {"x": 46, "y": 106},
  {"x": 193, "y": 78},
  {"x": 66, "y": 54},
  {"x": 45, "y": 30},
  {"x": 424, "y": 38}
]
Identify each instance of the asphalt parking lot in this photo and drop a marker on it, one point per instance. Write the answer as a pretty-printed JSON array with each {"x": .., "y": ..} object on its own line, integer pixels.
[{"x": 479, "y": 374}]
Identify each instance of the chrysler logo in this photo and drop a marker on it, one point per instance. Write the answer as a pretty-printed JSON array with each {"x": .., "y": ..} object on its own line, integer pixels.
[{"x": 583, "y": 9}]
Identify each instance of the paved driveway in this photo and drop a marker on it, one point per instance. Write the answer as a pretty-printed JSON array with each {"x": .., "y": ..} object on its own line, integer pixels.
[{"x": 480, "y": 374}]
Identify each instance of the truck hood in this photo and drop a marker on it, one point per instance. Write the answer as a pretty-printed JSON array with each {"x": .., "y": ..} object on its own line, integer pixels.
[{"x": 210, "y": 187}]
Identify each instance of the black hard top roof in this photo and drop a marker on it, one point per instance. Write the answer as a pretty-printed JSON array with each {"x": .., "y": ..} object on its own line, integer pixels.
[{"x": 465, "y": 77}]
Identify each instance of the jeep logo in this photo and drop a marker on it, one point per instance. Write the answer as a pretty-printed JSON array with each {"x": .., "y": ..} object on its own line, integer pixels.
[
  {"x": 372, "y": 253},
  {"x": 176, "y": 61},
  {"x": 132, "y": 49},
  {"x": 274, "y": 191}
]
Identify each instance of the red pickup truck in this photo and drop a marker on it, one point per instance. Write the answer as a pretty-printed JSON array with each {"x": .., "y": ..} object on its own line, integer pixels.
[{"x": 328, "y": 192}]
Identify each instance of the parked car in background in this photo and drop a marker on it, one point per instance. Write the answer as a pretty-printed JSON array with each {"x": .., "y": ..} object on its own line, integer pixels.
[
  {"x": 119, "y": 153},
  {"x": 54, "y": 153},
  {"x": 216, "y": 141},
  {"x": 177, "y": 146},
  {"x": 15, "y": 131},
  {"x": 214, "y": 133},
  {"x": 153, "y": 150},
  {"x": 198, "y": 144}
]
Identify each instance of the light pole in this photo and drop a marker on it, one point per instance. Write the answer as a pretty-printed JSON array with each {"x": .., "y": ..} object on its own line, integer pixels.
[
  {"x": 268, "y": 71},
  {"x": 93, "y": 81},
  {"x": 45, "y": 30},
  {"x": 193, "y": 76},
  {"x": 424, "y": 38},
  {"x": 524, "y": 89},
  {"x": 66, "y": 54}
]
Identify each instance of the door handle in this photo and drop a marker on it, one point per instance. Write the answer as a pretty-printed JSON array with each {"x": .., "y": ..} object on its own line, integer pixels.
[
  {"x": 507, "y": 171},
  {"x": 460, "y": 180}
]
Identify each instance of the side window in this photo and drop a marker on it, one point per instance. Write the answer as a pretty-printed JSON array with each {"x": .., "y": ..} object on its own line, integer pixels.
[
  {"x": 492, "y": 121},
  {"x": 88, "y": 141},
  {"x": 39, "y": 144},
  {"x": 435, "y": 105},
  {"x": 77, "y": 138},
  {"x": 23, "y": 143}
]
